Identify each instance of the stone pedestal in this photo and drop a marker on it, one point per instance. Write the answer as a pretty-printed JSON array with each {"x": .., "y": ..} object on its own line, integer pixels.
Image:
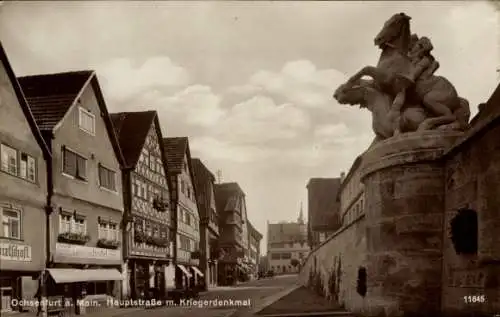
[{"x": 404, "y": 194}]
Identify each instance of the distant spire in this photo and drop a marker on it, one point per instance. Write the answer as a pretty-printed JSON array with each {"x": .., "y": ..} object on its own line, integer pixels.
[
  {"x": 219, "y": 176},
  {"x": 301, "y": 215}
]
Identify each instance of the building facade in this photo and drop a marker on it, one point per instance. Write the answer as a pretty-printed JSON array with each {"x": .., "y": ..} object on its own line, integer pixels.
[
  {"x": 23, "y": 193},
  {"x": 323, "y": 211},
  {"x": 287, "y": 245},
  {"x": 230, "y": 204},
  {"x": 209, "y": 225},
  {"x": 254, "y": 238},
  {"x": 351, "y": 194},
  {"x": 184, "y": 204},
  {"x": 84, "y": 258},
  {"x": 147, "y": 242}
]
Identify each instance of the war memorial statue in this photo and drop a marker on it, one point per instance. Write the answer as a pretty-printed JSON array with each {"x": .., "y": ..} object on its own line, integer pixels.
[{"x": 404, "y": 94}]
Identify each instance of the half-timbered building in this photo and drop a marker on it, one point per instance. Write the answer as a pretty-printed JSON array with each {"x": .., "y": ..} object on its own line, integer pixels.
[
  {"x": 147, "y": 243},
  {"x": 184, "y": 205}
]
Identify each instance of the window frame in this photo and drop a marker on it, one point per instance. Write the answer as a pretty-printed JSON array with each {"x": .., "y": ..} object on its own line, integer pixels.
[
  {"x": 73, "y": 224},
  {"x": 80, "y": 117},
  {"x": 108, "y": 171},
  {"x": 65, "y": 149},
  {"x": 19, "y": 219},
  {"x": 19, "y": 155}
]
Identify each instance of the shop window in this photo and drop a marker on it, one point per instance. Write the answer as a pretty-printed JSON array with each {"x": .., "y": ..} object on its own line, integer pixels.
[
  {"x": 464, "y": 232},
  {"x": 361, "y": 283}
]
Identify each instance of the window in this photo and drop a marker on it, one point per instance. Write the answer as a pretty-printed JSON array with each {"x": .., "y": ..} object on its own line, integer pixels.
[
  {"x": 183, "y": 186},
  {"x": 135, "y": 187},
  {"x": 65, "y": 223},
  {"x": 286, "y": 256},
  {"x": 146, "y": 156},
  {"x": 189, "y": 192},
  {"x": 184, "y": 166},
  {"x": 9, "y": 159},
  {"x": 107, "y": 178},
  {"x": 72, "y": 223},
  {"x": 74, "y": 164},
  {"x": 275, "y": 256},
  {"x": 86, "y": 121},
  {"x": 11, "y": 223},
  {"x": 188, "y": 219},
  {"x": 108, "y": 231},
  {"x": 79, "y": 225}
]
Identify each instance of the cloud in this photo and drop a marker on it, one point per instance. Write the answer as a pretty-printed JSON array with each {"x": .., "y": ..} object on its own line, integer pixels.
[
  {"x": 195, "y": 105},
  {"x": 124, "y": 80},
  {"x": 299, "y": 82},
  {"x": 259, "y": 119},
  {"x": 331, "y": 130}
]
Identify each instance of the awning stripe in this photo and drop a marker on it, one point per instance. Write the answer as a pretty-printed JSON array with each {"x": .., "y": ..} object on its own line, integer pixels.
[
  {"x": 184, "y": 270},
  {"x": 197, "y": 271},
  {"x": 77, "y": 275}
]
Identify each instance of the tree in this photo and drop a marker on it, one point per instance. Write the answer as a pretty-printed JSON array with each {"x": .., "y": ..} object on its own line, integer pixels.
[{"x": 294, "y": 262}]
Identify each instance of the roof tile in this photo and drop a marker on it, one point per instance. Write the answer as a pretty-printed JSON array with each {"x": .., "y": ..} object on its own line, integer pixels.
[
  {"x": 175, "y": 149},
  {"x": 132, "y": 129},
  {"x": 51, "y": 95}
]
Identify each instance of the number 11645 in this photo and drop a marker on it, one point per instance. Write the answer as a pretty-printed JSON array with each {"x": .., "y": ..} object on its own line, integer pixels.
[{"x": 473, "y": 299}]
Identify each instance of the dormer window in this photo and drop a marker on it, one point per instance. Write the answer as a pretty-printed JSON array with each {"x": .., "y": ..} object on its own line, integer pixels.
[{"x": 86, "y": 121}]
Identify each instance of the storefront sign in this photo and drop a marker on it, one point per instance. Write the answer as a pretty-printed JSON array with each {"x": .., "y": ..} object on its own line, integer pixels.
[
  {"x": 79, "y": 251},
  {"x": 15, "y": 252}
]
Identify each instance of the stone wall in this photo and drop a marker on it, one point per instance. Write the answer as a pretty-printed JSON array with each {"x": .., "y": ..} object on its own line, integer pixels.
[
  {"x": 471, "y": 283},
  {"x": 332, "y": 268}
]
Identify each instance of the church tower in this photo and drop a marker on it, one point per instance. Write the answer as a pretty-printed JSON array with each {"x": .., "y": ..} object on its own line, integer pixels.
[{"x": 300, "y": 220}]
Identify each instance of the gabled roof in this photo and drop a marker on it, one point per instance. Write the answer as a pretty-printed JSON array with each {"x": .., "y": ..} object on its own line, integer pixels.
[
  {"x": 132, "y": 129},
  {"x": 227, "y": 197},
  {"x": 203, "y": 177},
  {"x": 323, "y": 206},
  {"x": 175, "y": 149},
  {"x": 22, "y": 101},
  {"x": 51, "y": 96}
]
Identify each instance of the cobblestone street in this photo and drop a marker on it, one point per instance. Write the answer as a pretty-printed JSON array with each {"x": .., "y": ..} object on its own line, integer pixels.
[{"x": 256, "y": 292}]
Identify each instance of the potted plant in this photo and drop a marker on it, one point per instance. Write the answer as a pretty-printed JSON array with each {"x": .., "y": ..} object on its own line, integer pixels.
[
  {"x": 160, "y": 204},
  {"x": 73, "y": 238},
  {"x": 108, "y": 244},
  {"x": 139, "y": 236}
]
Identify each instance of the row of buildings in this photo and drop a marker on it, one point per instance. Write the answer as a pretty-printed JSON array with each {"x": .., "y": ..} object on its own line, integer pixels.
[{"x": 102, "y": 204}]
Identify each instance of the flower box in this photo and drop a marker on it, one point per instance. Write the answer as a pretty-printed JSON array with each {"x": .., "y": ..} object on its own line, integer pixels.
[
  {"x": 108, "y": 244},
  {"x": 73, "y": 238},
  {"x": 160, "y": 204}
]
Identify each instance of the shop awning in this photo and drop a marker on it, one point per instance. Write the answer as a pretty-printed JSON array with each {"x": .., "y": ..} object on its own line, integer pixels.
[
  {"x": 197, "y": 271},
  {"x": 184, "y": 270},
  {"x": 77, "y": 275}
]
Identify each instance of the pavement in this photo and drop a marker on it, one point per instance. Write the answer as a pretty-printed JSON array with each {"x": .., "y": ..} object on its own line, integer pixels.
[{"x": 242, "y": 300}]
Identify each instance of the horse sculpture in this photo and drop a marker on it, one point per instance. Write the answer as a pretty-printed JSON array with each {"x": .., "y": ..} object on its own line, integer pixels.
[
  {"x": 385, "y": 121},
  {"x": 410, "y": 79}
]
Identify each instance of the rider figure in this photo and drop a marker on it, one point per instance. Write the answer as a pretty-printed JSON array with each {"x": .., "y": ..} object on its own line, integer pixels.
[{"x": 425, "y": 65}]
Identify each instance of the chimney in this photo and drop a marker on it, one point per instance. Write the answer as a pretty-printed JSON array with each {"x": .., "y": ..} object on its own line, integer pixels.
[{"x": 342, "y": 177}]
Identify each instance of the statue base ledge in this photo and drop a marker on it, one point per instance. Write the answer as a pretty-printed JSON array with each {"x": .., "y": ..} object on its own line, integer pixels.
[{"x": 408, "y": 148}]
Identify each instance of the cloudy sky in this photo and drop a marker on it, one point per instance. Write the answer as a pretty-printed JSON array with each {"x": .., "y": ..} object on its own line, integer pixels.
[{"x": 250, "y": 83}]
